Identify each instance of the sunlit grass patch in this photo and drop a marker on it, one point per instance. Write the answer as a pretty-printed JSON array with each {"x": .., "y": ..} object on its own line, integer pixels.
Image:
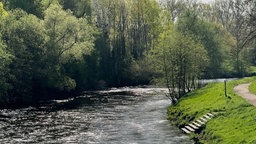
[
  {"x": 235, "y": 123},
  {"x": 252, "y": 87}
]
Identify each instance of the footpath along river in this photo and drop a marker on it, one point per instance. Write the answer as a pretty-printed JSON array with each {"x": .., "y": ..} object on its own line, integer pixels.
[{"x": 116, "y": 116}]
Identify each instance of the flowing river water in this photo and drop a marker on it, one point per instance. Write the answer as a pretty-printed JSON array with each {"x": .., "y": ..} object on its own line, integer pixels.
[{"x": 116, "y": 116}]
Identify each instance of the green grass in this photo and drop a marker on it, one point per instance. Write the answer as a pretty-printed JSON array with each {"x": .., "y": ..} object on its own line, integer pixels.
[
  {"x": 252, "y": 87},
  {"x": 252, "y": 69},
  {"x": 235, "y": 124}
]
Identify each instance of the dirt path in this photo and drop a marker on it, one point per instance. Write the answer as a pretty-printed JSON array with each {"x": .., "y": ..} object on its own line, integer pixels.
[{"x": 243, "y": 91}]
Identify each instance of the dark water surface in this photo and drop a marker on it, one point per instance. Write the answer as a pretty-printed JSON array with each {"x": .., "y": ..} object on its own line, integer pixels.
[{"x": 117, "y": 116}]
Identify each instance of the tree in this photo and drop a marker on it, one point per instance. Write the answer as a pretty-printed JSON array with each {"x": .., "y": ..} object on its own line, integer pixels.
[
  {"x": 179, "y": 59},
  {"x": 176, "y": 8},
  {"x": 251, "y": 15},
  {"x": 214, "y": 38},
  {"x": 80, "y": 8},
  {"x": 6, "y": 59},
  {"x": 128, "y": 30},
  {"x": 3, "y": 12},
  {"x": 41, "y": 50},
  {"x": 251, "y": 37},
  {"x": 143, "y": 27},
  {"x": 24, "y": 36},
  {"x": 68, "y": 38},
  {"x": 30, "y": 6},
  {"x": 232, "y": 15},
  {"x": 112, "y": 21}
]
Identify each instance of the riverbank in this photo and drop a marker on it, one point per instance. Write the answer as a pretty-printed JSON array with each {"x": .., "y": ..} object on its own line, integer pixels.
[{"x": 235, "y": 122}]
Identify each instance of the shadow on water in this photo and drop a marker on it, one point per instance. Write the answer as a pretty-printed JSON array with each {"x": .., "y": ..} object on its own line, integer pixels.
[{"x": 90, "y": 98}]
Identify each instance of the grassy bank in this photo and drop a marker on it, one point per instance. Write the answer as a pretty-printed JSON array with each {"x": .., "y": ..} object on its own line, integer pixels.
[
  {"x": 252, "y": 87},
  {"x": 236, "y": 122}
]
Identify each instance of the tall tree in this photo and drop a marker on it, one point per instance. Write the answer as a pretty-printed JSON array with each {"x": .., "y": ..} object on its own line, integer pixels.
[
  {"x": 144, "y": 27},
  {"x": 212, "y": 36},
  {"x": 251, "y": 37},
  {"x": 232, "y": 15},
  {"x": 6, "y": 58},
  {"x": 69, "y": 38},
  {"x": 128, "y": 28},
  {"x": 24, "y": 37},
  {"x": 175, "y": 7},
  {"x": 179, "y": 59}
]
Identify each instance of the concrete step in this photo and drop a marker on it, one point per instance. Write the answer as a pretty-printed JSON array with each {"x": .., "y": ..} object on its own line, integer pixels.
[
  {"x": 201, "y": 122},
  {"x": 197, "y": 124},
  {"x": 185, "y": 130},
  {"x": 203, "y": 119},
  {"x": 206, "y": 116},
  {"x": 209, "y": 114},
  {"x": 193, "y": 126},
  {"x": 189, "y": 128}
]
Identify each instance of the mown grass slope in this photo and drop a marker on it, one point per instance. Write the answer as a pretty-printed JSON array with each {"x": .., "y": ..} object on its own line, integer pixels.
[
  {"x": 252, "y": 87},
  {"x": 235, "y": 122}
]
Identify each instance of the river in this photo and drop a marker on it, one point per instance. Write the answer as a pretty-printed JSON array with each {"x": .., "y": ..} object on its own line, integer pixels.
[{"x": 116, "y": 116}]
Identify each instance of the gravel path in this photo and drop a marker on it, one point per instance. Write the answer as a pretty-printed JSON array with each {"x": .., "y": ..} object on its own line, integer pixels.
[{"x": 243, "y": 91}]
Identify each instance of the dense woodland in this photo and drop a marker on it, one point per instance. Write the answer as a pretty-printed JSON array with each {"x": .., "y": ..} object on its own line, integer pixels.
[{"x": 53, "y": 48}]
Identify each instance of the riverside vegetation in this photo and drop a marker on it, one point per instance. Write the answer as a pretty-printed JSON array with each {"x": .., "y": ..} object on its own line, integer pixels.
[
  {"x": 235, "y": 121},
  {"x": 53, "y": 49}
]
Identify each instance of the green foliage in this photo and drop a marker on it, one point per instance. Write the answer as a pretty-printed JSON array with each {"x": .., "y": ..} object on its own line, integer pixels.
[
  {"x": 85, "y": 72},
  {"x": 3, "y": 12},
  {"x": 144, "y": 27},
  {"x": 179, "y": 59},
  {"x": 6, "y": 59},
  {"x": 68, "y": 38},
  {"x": 41, "y": 48},
  {"x": 252, "y": 69},
  {"x": 235, "y": 17},
  {"x": 30, "y": 6},
  {"x": 80, "y": 8},
  {"x": 53, "y": 45},
  {"x": 235, "y": 122},
  {"x": 128, "y": 30},
  {"x": 217, "y": 41},
  {"x": 140, "y": 71},
  {"x": 25, "y": 38}
]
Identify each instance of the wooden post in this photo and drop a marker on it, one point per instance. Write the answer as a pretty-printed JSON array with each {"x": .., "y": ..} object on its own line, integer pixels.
[{"x": 225, "y": 87}]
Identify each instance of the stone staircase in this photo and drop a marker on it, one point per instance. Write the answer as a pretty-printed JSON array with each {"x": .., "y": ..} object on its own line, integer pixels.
[{"x": 195, "y": 125}]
